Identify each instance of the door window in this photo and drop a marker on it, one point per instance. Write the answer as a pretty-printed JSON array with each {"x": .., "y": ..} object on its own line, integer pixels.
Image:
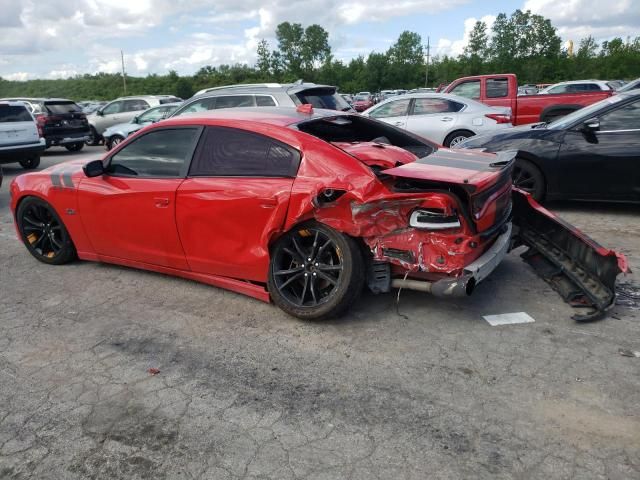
[
  {"x": 497, "y": 87},
  {"x": 160, "y": 153},
  {"x": 427, "y": 106},
  {"x": 468, "y": 89},
  {"x": 237, "y": 153},
  {"x": 113, "y": 107},
  {"x": 397, "y": 108},
  {"x": 233, "y": 101},
  {"x": 265, "y": 101},
  {"x": 200, "y": 105},
  {"x": 135, "y": 105},
  {"x": 626, "y": 117},
  {"x": 558, "y": 89},
  {"x": 154, "y": 114}
]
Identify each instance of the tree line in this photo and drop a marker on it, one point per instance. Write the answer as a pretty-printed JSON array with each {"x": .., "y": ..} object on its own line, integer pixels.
[{"x": 523, "y": 43}]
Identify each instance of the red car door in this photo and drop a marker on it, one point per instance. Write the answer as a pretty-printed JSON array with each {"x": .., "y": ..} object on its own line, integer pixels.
[
  {"x": 233, "y": 202},
  {"x": 129, "y": 212}
]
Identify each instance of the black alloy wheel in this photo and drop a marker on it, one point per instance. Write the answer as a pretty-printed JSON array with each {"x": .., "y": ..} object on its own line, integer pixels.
[
  {"x": 315, "y": 272},
  {"x": 528, "y": 177},
  {"x": 31, "y": 162},
  {"x": 113, "y": 142},
  {"x": 43, "y": 232},
  {"x": 74, "y": 147}
]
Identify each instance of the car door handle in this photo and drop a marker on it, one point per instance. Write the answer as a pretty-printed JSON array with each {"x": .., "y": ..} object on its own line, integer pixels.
[
  {"x": 268, "y": 203},
  {"x": 398, "y": 124},
  {"x": 446, "y": 119},
  {"x": 161, "y": 202}
]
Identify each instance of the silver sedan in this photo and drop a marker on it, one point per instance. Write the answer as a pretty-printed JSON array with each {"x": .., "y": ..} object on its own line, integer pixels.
[{"x": 440, "y": 117}]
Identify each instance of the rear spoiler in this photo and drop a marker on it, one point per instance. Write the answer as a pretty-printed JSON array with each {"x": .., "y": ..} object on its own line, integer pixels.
[{"x": 578, "y": 268}]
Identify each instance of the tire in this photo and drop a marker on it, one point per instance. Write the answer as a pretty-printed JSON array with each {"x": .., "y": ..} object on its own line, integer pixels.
[
  {"x": 320, "y": 288},
  {"x": 94, "y": 138},
  {"x": 528, "y": 177},
  {"x": 456, "y": 137},
  {"x": 74, "y": 147},
  {"x": 31, "y": 162},
  {"x": 113, "y": 141},
  {"x": 43, "y": 232}
]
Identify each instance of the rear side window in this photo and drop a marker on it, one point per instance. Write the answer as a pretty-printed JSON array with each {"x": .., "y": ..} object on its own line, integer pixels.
[
  {"x": 135, "y": 105},
  {"x": 426, "y": 106},
  {"x": 228, "y": 152},
  {"x": 200, "y": 105},
  {"x": 233, "y": 101},
  {"x": 265, "y": 101},
  {"x": 497, "y": 87},
  {"x": 62, "y": 107},
  {"x": 14, "y": 113},
  {"x": 160, "y": 153}
]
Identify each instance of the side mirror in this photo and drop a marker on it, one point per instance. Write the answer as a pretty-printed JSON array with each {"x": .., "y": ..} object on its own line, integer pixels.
[
  {"x": 135, "y": 120},
  {"x": 99, "y": 112},
  {"x": 95, "y": 168},
  {"x": 591, "y": 125}
]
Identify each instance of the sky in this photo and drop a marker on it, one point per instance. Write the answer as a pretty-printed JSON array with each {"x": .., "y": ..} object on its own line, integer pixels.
[{"x": 62, "y": 38}]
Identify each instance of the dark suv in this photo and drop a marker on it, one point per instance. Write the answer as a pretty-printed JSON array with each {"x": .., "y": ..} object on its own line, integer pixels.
[
  {"x": 264, "y": 95},
  {"x": 61, "y": 121}
]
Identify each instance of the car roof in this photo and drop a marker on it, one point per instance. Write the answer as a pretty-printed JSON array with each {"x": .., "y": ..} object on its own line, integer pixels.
[
  {"x": 37, "y": 99},
  {"x": 279, "y": 116},
  {"x": 250, "y": 88},
  {"x": 12, "y": 103}
]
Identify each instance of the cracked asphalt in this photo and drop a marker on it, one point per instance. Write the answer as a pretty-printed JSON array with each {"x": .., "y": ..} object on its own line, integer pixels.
[{"x": 420, "y": 389}]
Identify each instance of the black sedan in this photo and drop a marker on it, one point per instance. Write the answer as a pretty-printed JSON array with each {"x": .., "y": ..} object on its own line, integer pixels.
[{"x": 591, "y": 154}]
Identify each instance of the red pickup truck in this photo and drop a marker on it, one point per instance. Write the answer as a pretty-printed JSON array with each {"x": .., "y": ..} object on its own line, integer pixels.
[{"x": 502, "y": 91}]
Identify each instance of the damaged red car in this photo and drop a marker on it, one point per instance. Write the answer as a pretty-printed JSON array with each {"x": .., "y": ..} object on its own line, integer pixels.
[{"x": 304, "y": 209}]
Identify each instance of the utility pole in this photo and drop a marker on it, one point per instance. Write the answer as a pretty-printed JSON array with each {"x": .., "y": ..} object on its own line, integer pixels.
[
  {"x": 124, "y": 75},
  {"x": 426, "y": 75}
]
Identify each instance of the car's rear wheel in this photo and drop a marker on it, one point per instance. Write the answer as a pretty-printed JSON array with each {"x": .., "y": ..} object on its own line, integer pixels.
[
  {"x": 315, "y": 272},
  {"x": 94, "y": 138},
  {"x": 31, "y": 162},
  {"x": 74, "y": 147},
  {"x": 528, "y": 177},
  {"x": 43, "y": 232},
  {"x": 113, "y": 141},
  {"x": 454, "y": 138}
]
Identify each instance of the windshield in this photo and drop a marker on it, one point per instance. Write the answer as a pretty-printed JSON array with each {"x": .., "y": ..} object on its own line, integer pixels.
[{"x": 584, "y": 113}]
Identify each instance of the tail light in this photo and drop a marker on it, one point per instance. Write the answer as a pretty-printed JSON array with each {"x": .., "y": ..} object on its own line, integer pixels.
[
  {"x": 433, "y": 219},
  {"x": 499, "y": 117}
]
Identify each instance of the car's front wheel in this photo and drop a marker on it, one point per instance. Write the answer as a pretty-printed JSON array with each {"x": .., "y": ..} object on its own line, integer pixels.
[
  {"x": 528, "y": 177},
  {"x": 113, "y": 141},
  {"x": 74, "y": 147},
  {"x": 31, "y": 162},
  {"x": 43, "y": 232},
  {"x": 315, "y": 272}
]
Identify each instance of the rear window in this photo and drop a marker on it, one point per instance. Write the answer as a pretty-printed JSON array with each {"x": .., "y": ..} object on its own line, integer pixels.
[
  {"x": 62, "y": 107},
  {"x": 497, "y": 87},
  {"x": 14, "y": 113},
  {"x": 322, "y": 99}
]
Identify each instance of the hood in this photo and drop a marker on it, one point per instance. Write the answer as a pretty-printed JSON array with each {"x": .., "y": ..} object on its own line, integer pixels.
[
  {"x": 471, "y": 169},
  {"x": 125, "y": 128}
]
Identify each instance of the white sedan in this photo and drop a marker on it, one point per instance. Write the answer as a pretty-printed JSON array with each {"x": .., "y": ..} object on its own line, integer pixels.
[{"x": 440, "y": 117}]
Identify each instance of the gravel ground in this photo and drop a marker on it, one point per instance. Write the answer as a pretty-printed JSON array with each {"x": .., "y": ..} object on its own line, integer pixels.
[{"x": 420, "y": 389}]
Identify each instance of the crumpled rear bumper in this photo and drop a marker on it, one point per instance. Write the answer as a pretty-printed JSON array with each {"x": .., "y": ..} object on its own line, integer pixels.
[{"x": 578, "y": 268}]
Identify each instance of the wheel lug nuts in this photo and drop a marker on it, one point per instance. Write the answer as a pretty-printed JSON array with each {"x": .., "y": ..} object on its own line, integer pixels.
[
  {"x": 316, "y": 264},
  {"x": 314, "y": 274}
]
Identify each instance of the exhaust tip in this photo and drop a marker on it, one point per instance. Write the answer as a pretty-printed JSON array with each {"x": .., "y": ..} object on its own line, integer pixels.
[{"x": 471, "y": 286}]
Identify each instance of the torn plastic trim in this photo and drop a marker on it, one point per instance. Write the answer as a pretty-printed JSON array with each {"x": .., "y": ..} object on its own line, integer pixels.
[{"x": 579, "y": 269}]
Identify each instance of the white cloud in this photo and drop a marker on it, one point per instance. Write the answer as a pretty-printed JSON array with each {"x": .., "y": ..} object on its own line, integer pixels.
[
  {"x": 454, "y": 48},
  {"x": 576, "y": 19},
  {"x": 18, "y": 76}
]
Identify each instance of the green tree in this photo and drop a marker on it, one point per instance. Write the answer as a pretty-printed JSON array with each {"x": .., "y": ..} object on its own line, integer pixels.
[
  {"x": 476, "y": 49},
  {"x": 264, "y": 58},
  {"x": 315, "y": 47},
  {"x": 291, "y": 43}
]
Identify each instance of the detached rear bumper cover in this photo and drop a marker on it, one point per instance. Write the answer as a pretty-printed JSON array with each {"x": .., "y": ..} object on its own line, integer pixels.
[{"x": 578, "y": 268}]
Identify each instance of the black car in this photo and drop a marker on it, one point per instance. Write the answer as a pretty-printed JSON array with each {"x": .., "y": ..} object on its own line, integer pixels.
[
  {"x": 590, "y": 154},
  {"x": 61, "y": 121}
]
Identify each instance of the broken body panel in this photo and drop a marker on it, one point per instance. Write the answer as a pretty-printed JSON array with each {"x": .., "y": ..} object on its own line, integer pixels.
[{"x": 441, "y": 219}]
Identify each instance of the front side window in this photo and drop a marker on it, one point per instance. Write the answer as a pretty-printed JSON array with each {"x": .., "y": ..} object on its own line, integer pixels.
[
  {"x": 395, "y": 108},
  {"x": 626, "y": 117},
  {"x": 229, "y": 152},
  {"x": 234, "y": 101},
  {"x": 469, "y": 89},
  {"x": 135, "y": 105},
  {"x": 160, "y": 153},
  {"x": 201, "y": 105},
  {"x": 427, "y": 106},
  {"x": 113, "y": 107}
]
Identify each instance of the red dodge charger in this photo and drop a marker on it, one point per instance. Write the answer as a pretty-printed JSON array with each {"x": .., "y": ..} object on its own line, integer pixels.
[{"x": 303, "y": 208}]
